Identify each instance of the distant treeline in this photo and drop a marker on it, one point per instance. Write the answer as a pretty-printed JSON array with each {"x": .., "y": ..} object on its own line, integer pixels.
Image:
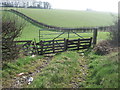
[{"x": 26, "y": 4}]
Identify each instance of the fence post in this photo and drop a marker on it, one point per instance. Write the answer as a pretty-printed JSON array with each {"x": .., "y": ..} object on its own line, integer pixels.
[
  {"x": 35, "y": 46},
  {"x": 65, "y": 44},
  {"x": 78, "y": 46},
  {"x": 39, "y": 35},
  {"x": 53, "y": 46},
  {"x": 90, "y": 42},
  {"x": 41, "y": 44},
  {"x": 95, "y": 36}
]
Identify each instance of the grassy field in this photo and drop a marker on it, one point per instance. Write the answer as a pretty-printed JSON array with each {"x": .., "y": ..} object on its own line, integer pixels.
[
  {"x": 31, "y": 32},
  {"x": 28, "y": 34},
  {"x": 69, "y": 18}
]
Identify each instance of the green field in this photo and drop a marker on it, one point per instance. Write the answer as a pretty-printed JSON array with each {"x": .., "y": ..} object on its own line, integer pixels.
[
  {"x": 69, "y": 18},
  {"x": 31, "y": 32},
  {"x": 63, "y": 18}
]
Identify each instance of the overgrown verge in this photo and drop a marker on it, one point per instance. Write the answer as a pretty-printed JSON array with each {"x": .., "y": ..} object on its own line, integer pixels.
[
  {"x": 62, "y": 72},
  {"x": 103, "y": 71}
]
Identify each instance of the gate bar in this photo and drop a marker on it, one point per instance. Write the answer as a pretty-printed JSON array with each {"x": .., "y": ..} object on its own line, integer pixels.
[
  {"x": 59, "y": 35},
  {"x": 78, "y": 35}
]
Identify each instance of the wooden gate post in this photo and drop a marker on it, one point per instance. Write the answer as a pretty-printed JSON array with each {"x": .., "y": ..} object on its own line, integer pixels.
[
  {"x": 39, "y": 35},
  {"x": 90, "y": 42},
  {"x": 53, "y": 46},
  {"x": 78, "y": 46},
  {"x": 41, "y": 44},
  {"x": 95, "y": 36},
  {"x": 65, "y": 44}
]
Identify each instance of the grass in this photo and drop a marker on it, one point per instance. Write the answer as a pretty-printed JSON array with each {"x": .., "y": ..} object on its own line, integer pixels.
[
  {"x": 103, "y": 71},
  {"x": 59, "y": 72},
  {"x": 31, "y": 32},
  {"x": 69, "y": 18},
  {"x": 11, "y": 69},
  {"x": 65, "y": 69}
]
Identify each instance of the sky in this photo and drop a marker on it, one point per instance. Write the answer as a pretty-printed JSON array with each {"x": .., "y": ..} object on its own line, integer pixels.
[{"x": 97, "y": 5}]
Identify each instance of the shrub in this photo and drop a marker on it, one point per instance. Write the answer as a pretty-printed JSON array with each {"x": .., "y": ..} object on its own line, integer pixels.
[{"x": 11, "y": 29}]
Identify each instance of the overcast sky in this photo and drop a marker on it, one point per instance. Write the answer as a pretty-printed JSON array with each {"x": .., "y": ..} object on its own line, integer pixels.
[{"x": 98, "y": 5}]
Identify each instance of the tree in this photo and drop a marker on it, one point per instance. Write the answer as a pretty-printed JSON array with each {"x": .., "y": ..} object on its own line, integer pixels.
[{"x": 47, "y": 5}]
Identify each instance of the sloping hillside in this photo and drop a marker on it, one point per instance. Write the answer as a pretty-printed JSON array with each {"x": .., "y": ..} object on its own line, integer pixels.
[{"x": 69, "y": 18}]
